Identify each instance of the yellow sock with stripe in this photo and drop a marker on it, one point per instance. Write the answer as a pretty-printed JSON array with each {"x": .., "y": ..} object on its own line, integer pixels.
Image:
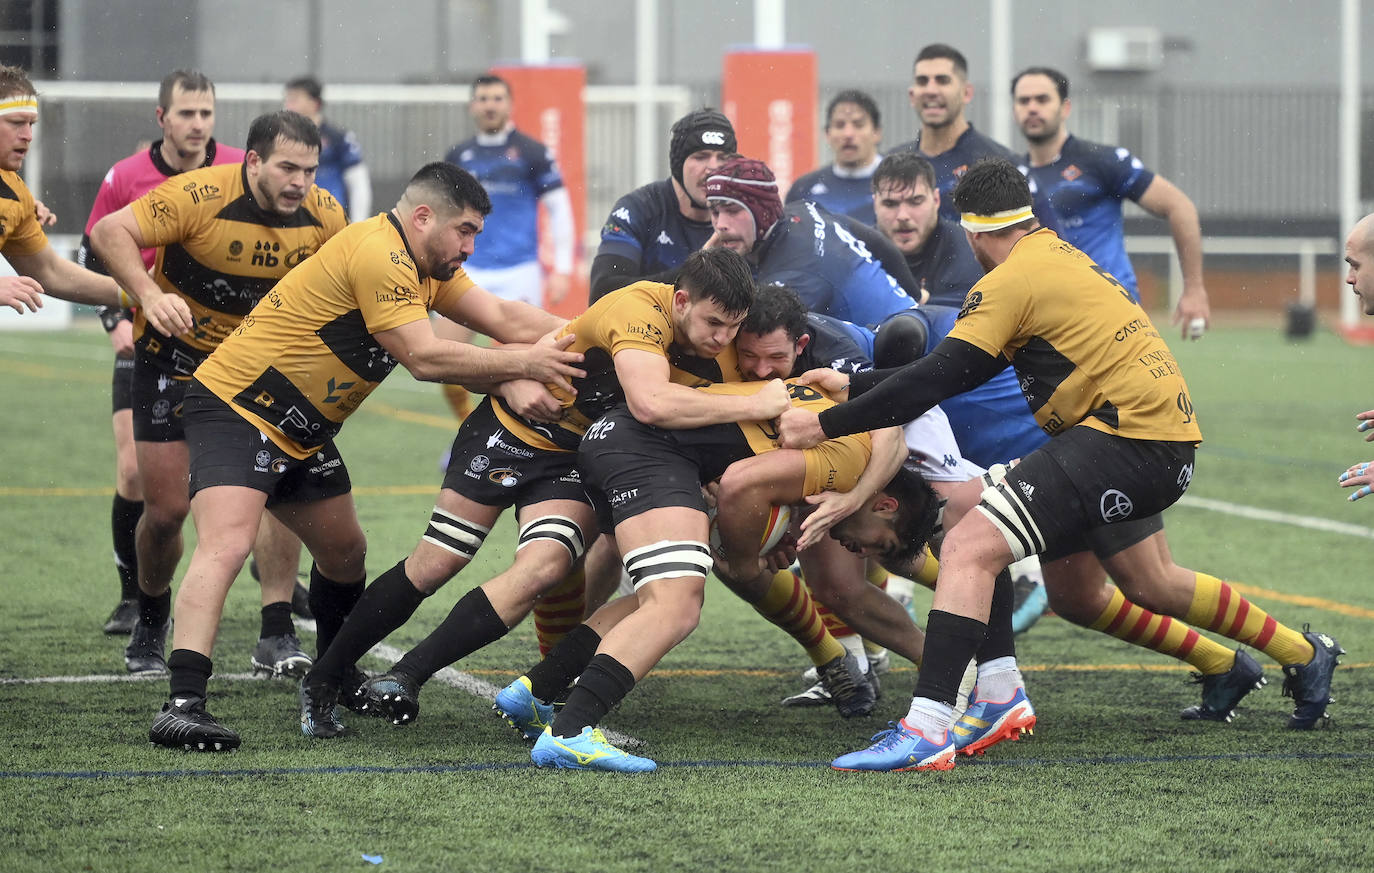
[
  {"x": 930, "y": 571},
  {"x": 560, "y": 609},
  {"x": 789, "y": 605},
  {"x": 459, "y": 400},
  {"x": 1220, "y": 608},
  {"x": 1140, "y": 627}
]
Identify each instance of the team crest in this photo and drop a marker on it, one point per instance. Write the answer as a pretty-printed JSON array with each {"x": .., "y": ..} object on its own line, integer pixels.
[
  {"x": 974, "y": 299},
  {"x": 1071, "y": 172}
]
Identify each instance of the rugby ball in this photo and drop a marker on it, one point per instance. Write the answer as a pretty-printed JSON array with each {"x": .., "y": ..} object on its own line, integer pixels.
[{"x": 779, "y": 519}]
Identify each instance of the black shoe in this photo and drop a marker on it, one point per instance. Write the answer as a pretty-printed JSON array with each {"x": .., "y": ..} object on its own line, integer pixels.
[
  {"x": 1222, "y": 691},
  {"x": 394, "y": 696},
  {"x": 317, "y": 711},
  {"x": 1310, "y": 684},
  {"x": 143, "y": 654},
  {"x": 353, "y": 692},
  {"x": 184, "y": 723},
  {"x": 300, "y": 602},
  {"x": 280, "y": 655},
  {"x": 848, "y": 687},
  {"x": 123, "y": 619}
]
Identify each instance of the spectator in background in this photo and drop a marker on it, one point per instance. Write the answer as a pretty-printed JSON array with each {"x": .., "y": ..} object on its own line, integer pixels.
[
  {"x": 853, "y": 127},
  {"x": 342, "y": 171}
]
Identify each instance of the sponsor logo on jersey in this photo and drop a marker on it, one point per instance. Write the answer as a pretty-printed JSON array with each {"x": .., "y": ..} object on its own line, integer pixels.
[
  {"x": 161, "y": 211},
  {"x": 235, "y": 249},
  {"x": 262, "y": 460},
  {"x": 505, "y": 477},
  {"x": 960, "y": 170},
  {"x": 619, "y": 498},
  {"x": 398, "y": 295},
  {"x": 664, "y": 239},
  {"x": 1026, "y": 488},
  {"x": 201, "y": 193},
  {"x": 496, "y": 442},
  {"x": 265, "y": 254},
  {"x": 971, "y": 302},
  {"x": 295, "y": 257},
  {"x": 650, "y": 332},
  {"x": 622, "y": 213},
  {"x": 479, "y": 463}
]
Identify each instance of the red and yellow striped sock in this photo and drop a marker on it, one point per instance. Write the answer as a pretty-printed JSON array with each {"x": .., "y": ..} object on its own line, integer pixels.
[
  {"x": 1140, "y": 627},
  {"x": 1218, "y": 607},
  {"x": 560, "y": 609},
  {"x": 459, "y": 400},
  {"x": 789, "y": 605}
]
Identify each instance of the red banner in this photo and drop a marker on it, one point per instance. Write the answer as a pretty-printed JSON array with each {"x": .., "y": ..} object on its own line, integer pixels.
[
  {"x": 548, "y": 106},
  {"x": 770, "y": 98}
]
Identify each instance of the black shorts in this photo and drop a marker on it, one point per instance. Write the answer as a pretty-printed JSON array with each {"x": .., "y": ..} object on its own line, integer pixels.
[
  {"x": 156, "y": 402},
  {"x": 1086, "y": 490},
  {"x": 488, "y": 465},
  {"x": 122, "y": 384},
  {"x": 226, "y": 449},
  {"x": 632, "y": 468}
]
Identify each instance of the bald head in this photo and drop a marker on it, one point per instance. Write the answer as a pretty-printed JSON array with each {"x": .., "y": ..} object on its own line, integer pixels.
[{"x": 1359, "y": 255}]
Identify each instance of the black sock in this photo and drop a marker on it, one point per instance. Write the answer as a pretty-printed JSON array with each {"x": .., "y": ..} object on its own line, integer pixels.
[
  {"x": 564, "y": 662},
  {"x": 951, "y": 641},
  {"x": 384, "y": 606},
  {"x": 1000, "y": 641},
  {"x": 330, "y": 603},
  {"x": 123, "y": 519},
  {"x": 154, "y": 611},
  {"x": 276, "y": 620},
  {"x": 190, "y": 673},
  {"x": 470, "y": 625},
  {"x": 601, "y": 686}
]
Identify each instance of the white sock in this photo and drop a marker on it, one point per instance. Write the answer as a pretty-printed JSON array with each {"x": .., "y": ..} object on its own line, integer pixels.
[
  {"x": 930, "y": 717},
  {"x": 854, "y": 645},
  {"x": 998, "y": 679}
]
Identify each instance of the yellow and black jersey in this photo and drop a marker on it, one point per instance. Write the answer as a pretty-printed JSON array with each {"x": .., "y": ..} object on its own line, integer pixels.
[
  {"x": 1084, "y": 352},
  {"x": 834, "y": 465},
  {"x": 638, "y": 316},
  {"x": 20, "y": 232},
  {"x": 304, "y": 358},
  {"x": 220, "y": 252}
]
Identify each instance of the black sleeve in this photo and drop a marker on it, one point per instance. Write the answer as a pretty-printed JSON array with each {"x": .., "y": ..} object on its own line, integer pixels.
[
  {"x": 86, "y": 257},
  {"x": 610, "y": 272},
  {"x": 889, "y": 257},
  {"x": 952, "y": 367}
]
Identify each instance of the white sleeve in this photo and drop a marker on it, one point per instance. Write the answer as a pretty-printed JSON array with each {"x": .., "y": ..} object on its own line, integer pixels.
[
  {"x": 359, "y": 184},
  {"x": 559, "y": 205}
]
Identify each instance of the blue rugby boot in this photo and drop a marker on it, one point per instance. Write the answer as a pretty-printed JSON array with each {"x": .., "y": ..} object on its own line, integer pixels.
[
  {"x": 522, "y": 710},
  {"x": 900, "y": 747},
  {"x": 986, "y": 723},
  {"x": 589, "y": 750}
]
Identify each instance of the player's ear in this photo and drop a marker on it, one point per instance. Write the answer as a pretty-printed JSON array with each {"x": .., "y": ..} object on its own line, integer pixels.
[
  {"x": 885, "y": 505},
  {"x": 802, "y": 342}
]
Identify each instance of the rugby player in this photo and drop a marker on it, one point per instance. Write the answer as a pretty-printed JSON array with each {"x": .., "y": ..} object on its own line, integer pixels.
[
  {"x": 1079, "y": 186},
  {"x": 342, "y": 171},
  {"x": 644, "y": 345},
  {"x": 22, "y": 241},
  {"x": 222, "y": 235},
  {"x": 940, "y": 93},
  {"x": 262, "y": 410},
  {"x": 853, "y": 128},
  {"x": 1124, "y": 437}
]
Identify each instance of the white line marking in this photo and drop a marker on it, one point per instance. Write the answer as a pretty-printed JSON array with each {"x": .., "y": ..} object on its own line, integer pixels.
[{"x": 1325, "y": 525}]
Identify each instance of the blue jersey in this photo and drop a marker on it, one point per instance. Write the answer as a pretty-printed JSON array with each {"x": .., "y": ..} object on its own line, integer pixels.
[
  {"x": 1079, "y": 197},
  {"x": 516, "y": 171},
  {"x": 836, "y": 345},
  {"x": 945, "y": 266},
  {"x": 950, "y": 165},
  {"x": 647, "y": 227},
  {"x": 810, "y": 251},
  {"x": 339, "y": 150},
  {"x": 843, "y": 195},
  {"x": 992, "y": 423}
]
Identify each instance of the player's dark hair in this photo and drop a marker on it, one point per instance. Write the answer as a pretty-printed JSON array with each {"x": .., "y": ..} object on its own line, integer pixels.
[
  {"x": 187, "y": 80},
  {"x": 308, "y": 84},
  {"x": 265, "y": 130},
  {"x": 1061, "y": 81},
  {"x": 903, "y": 170},
  {"x": 491, "y": 79},
  {"x": 775, "y": 306},
  {"x": 860, "y": 99},
  {"x": 938, "y": 50},
  {"x": 14, "y": 82},
  {"x": 993, "y": 185},
  {"x": 718, "y": 274},
  {"x": 447, "y": 188},
  {"x": 918, "y": 509}
]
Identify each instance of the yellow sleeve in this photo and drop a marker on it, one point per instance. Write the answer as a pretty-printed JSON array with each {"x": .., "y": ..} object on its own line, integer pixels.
[
  {"x": 26, "y": 236},
  {"x": 168, "y": 213},
  {"x": 993, "y": 312},
  {"x": 450, "y": 292},
  {"x": 385, "y": 284},
  {"x": 634, "y": 323}
]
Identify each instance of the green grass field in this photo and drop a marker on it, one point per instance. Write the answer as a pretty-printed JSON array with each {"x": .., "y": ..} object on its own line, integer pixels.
[{"x": 1112, "y": 779}]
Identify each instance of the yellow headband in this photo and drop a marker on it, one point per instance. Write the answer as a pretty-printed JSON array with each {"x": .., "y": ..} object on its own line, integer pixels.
[
  {"x": 25, "y": 103},
  {"x": 974, "y": 223}
]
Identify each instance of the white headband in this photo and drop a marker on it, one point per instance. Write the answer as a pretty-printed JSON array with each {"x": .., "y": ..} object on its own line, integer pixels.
[
  {"x": 974, "y": 223},
  {"x": 25, "y": 103}
]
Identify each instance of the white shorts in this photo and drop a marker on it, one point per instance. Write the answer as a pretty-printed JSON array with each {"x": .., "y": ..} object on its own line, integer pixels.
[
  {"x": 934, "y": 451},
  {"x": 523, "y": 282}
]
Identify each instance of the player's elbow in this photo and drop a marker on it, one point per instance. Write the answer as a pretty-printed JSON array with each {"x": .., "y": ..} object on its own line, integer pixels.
[{"x": 650, "y": 410}]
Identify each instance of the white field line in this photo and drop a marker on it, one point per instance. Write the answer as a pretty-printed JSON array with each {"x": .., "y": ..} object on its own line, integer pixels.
[{"x": 1308, "y": 522}]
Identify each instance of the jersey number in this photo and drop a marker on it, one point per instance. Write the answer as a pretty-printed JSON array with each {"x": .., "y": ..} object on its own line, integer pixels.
[{"x": 1111, "y": 280}]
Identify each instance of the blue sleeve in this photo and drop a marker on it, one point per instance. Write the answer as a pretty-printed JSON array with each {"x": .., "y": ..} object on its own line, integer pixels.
[
  {"x": 544, "y": 170},
  {"x": 1122, "y": 173},
  {"x": 352, "y": 153},
  {"x": 870, "y": 295},
  {"x": 620, "y": 235}
]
